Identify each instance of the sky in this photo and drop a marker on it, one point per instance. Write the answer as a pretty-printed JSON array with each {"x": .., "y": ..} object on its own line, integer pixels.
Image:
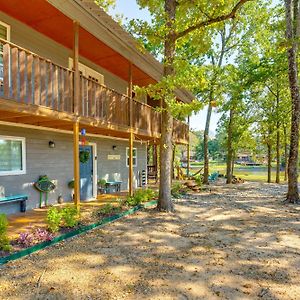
[{"x": 130, "y": 10}]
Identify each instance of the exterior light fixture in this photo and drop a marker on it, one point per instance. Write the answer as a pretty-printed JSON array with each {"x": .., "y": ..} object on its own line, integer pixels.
[
  {"x": 114, "y": 147},
  {"x": 51, "y": 144}
]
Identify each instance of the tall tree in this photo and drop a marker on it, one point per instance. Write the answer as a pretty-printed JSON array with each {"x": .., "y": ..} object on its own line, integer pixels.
[
  {"x": 182, "y": 20},
  {"x": 292, "y": 36}
]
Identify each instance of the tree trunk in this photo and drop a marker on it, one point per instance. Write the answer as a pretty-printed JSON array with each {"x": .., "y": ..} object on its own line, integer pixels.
[
  {"x": 269, "y": 146},
  {"x": 277, "y": 155},
  {"x": 173, "y": 162},
  {"x": 164, "y": 201},
  {"x": 229, "y": 148},
  {"x": 292, "y": 35},
  {"x": 285, "y": 153},
  {"x": 232, "y": 162},
  {"x": 205, "y": 144}
]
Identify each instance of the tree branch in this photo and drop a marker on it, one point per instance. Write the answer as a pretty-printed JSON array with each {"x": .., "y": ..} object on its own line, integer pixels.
[{"x": 218, "y": 19}]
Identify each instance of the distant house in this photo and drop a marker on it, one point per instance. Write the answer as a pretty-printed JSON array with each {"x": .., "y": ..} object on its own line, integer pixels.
[{"x": 66, "y": 77}]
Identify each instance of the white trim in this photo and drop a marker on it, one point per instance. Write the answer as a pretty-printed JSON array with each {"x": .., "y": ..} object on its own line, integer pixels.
[
  {"x": 95, "y": 169},
  {"x": 134, "y": 165},
  {"x": 65, "y": 131},
  {"x": 23, "y": 140},
  {"x": 8, "y": 30}
]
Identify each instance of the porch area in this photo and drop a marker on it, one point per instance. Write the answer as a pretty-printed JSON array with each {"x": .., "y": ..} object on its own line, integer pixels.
[{"x": 36, "y": 218}]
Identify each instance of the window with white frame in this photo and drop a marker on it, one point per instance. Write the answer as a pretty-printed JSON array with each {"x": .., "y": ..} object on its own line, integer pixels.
[
  {"x": 134, "y": 156},
  {"x": 5, "y": 35},
  {"x": 12, "y": 155}
]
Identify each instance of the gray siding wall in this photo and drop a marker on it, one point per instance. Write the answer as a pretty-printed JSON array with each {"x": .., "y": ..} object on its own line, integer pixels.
[
  {"x": 57, "y": 164},
  {"x": 24, "y": 36}
]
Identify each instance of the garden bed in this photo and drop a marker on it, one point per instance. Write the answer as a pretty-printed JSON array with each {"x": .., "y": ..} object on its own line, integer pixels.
[{"x": 40, "y": 238}]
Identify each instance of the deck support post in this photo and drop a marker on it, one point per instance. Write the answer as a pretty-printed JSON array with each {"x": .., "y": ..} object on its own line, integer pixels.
[
  {"x": 76, "y": 100},
  {"x": 131, "y": 135},
  {"x": 188, "y": 150},
  {"x": 76, "y": 96},
  {"x": 76, "y": 164}
]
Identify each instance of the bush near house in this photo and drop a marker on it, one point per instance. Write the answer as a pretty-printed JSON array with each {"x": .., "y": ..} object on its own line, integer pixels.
[
  {"x": 54, "y": 218},
  {"x": 4, "y": 240},
  {"x": 140, "y": 196},
  {"x": 65, "y": 217},
  {"x": 70, "y": 216}
]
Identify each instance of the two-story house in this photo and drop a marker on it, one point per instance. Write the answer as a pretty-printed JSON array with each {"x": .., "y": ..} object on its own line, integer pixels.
[{"x": 67, "y": 108}]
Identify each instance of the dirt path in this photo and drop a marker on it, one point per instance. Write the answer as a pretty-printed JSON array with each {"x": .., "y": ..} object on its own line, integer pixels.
[{"x": 234, "y": 243}]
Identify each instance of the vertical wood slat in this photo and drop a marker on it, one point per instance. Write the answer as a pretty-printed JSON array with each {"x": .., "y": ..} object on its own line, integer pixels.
[
  {"x": 61, "y": 89},
  {"x": 66, "y": 94},
  {"x": 98, "y": 100},
  {"x": 86, "y": 103},
  {"x": 6, "y": 67},
  {"x": 22, "y": 65},
  {"x": 30, "y": 79},
  {"x": 43, "y": 81},
  {"x": 49, "y": 85},
  {"x": 71, "y": 80},
  {"x": 37, "y": 81},
  {"x": 14, "y": 72},
  {"x": 81, "y": 97},
  {"x": 55, "y": 88},
  {"x": 93, "y": 107},
  {"x": 89, "y": 97}
]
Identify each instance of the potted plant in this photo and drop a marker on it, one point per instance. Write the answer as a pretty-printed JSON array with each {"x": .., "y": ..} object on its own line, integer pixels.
[
  {"x": 71, "y": 186},
  {"x": 101, "y": 186}
]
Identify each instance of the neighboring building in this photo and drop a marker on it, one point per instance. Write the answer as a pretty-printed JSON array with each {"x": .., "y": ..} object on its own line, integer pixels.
[{"x": 45, "y": 98}]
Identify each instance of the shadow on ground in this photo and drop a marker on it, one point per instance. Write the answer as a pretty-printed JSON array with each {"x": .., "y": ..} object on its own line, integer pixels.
[{"x": 234, "y": 243}]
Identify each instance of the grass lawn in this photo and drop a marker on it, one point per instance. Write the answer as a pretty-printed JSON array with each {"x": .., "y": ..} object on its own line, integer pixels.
[{"x": 250, "y": 173}]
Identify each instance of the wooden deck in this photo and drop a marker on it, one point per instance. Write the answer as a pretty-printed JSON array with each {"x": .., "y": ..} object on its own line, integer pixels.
[{"x": 32, "y": 85}]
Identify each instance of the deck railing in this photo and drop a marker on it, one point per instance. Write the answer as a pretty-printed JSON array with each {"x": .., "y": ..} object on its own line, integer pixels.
[
  {"x": 28, "y": 78},
  {"x": 31, "y": 79}
]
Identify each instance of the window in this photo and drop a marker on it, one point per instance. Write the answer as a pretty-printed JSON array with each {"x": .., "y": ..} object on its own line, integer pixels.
[
  {"x": 88, "y": 72},
  {"x": 5, "y": 35},
  {"x": 134, "y": 156},
  {"x": 13, "y": 155}
]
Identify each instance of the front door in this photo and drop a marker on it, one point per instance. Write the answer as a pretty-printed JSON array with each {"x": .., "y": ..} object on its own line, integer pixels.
[{"x": 86, "y": 174}]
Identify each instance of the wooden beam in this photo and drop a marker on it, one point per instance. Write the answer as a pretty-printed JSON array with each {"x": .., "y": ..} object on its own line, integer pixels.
[
  {"x": 131, "y": 136},
  {"x": 76, "y": 95},
  {"x": 76, "y": 164}
]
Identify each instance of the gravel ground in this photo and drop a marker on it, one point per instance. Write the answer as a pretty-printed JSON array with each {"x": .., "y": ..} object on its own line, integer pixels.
[{"x": 237, "y": 242}]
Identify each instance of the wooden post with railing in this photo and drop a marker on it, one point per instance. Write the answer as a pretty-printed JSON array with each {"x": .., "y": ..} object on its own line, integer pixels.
[
  {"x": 131, "y": 135},
  {"x": 76, "y": 99}
]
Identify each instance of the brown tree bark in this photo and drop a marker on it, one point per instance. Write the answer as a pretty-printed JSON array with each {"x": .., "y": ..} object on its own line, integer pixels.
[
  {"x": 269, "y": 146},
  {"x": 205, "y": 144},
  {"x": 277, "y": 180},
  {"x": 165, "y": 202},
  {"x": 292, "y": 35},
  {"x": 285, "y": 154},
  {"x": 229, "y": 148}
]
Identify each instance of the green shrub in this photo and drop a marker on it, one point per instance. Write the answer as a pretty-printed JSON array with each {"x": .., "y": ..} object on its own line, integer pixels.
[
  {"x": 101, "y": 182},
  {"x": 198, "y": 179},
  {"x": 109, "y": 209},
  {"x": 175, "y": 190},
  {"x": 140, "y": 196},
  {"x": 70, "y": 216},
  {"x": 54, "y": 218},
  {"x": 71, "y": 184},
  {"x": 4, "y": 240}
]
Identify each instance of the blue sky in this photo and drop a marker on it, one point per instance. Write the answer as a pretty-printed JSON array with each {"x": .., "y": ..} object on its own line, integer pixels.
[{"x": 130, "y": 10}]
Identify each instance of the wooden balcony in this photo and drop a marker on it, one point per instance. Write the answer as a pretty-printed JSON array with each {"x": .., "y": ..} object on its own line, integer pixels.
[{"x": 36, "y": 91}]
